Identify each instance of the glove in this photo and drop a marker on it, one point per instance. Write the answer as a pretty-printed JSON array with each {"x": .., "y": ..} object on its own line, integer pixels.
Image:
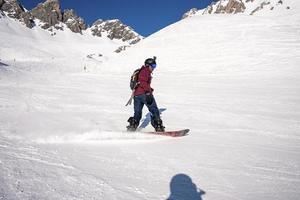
[{"x": 149, "y": 98}]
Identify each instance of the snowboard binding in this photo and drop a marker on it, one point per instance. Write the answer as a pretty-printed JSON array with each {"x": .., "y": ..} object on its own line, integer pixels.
[
  {"x": 158, "y": 125},
  {"x": 133, "y": 124}
]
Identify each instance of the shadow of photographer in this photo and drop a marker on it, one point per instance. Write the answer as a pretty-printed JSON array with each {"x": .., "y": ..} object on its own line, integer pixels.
[{"x": 183, "y": 188}]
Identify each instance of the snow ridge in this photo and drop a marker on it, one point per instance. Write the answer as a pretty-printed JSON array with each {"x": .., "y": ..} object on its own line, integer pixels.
[{"x": 249, "y": 7}]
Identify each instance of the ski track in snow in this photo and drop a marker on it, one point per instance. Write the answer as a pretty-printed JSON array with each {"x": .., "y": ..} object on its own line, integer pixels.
[{"x": 96, "y": 137}]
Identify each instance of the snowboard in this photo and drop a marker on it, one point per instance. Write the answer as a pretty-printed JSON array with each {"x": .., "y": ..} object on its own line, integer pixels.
[{"x": 178, "y": 133}]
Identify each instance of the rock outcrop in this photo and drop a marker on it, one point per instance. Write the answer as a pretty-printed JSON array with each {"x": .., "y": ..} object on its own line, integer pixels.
[
  {"x": 226, "y": 7},
  {"x": 27, "y": 19},
  {"x": 51, "y": 15},
  {"x": 48, "y": 12},
  {"x": 1, "y": 12},
  {"x": 1, "y": 3},
  {"x": 233, "y": 6},
  {"x": 191, "y": 12},
  {"x": 13, "y": 8},
  {"x": 236, "y": 6},
  {"x": 260, "y": 7},
  {"x": 115, "y": 29},
  {"x": 75, "y": 23},
  {"x": 122, "y": 48}
]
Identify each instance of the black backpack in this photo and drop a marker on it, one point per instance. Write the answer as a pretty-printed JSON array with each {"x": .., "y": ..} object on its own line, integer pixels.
[{"x": 134, "y": 80}]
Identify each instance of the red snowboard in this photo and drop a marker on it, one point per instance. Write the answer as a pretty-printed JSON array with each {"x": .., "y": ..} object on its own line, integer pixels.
[{"x": 179, "y": 133}]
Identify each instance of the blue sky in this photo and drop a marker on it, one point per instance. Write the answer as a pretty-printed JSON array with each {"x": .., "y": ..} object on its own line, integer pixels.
[{"x": 144, "y": 16}]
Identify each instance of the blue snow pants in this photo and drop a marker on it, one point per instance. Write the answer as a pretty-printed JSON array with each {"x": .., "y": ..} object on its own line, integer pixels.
[{"x": 139, "y": 102}]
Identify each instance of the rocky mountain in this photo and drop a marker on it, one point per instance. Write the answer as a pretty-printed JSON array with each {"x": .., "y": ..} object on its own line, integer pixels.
[
  {"x": 115, "y": 29},
  {"x": 48, "y": 15},
  {"x": 14, "y": 9},
  {"x": 48, "y": 12},
  {"x": 250, "y": 7},
  {"x": 75, "y": 23},
  {"x": 189, "y": 13}
]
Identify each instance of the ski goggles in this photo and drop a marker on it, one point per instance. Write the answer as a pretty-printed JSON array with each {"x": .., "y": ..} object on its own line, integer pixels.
[{"x": 153, "y": 65}]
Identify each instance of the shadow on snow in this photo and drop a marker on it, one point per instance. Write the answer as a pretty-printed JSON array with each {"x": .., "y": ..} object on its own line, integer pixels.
[
  {"x": 183, "y": 188},
  {"x": 147, "y": 119}
]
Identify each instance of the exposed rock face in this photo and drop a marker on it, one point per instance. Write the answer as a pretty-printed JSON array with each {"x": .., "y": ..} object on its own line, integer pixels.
[
  {"x": 51, "y": 14},
  {"x": 48, "y": 12},
  {"x": 191, "y": 12},
  {"x": 27, "y": 19},
  {"x": 233, "y": 6},
  {"x": 260, "y": 7},
  {"x": 115, "y": 29},
  {"x": 237, "y": 6},
  {"x": 13, "y": 8},
  {"x": 121, "y": 48},
  {"x": 97, "y": 28},
  {"x": 1, "y": 3},
  {"x": 75, "y": 23}
]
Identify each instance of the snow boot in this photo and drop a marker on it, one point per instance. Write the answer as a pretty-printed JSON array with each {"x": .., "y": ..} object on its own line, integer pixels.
[
  {"x": 133, "y": 124},
  {"x": 158, "y": 125}
]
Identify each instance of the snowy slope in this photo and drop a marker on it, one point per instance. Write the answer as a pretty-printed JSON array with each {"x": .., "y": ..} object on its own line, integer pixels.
[
  {"x": 232, "y": 79},
  {"x": 67, "y": 50}
]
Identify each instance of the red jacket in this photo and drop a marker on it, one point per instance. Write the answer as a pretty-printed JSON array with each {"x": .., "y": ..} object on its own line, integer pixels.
[{"x": 144, "y": 81}]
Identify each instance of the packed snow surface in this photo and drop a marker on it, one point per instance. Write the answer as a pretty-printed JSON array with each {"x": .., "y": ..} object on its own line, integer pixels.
[{"x": 232, "y": 79}]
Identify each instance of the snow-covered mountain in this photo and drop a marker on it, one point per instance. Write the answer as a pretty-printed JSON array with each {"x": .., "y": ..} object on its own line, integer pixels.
[
  {"x": 49, "y": 16},
  {"x": 232, "y": 79},
  {"x": 250, "y": 7},
  {"x": 49, "y": 33}
]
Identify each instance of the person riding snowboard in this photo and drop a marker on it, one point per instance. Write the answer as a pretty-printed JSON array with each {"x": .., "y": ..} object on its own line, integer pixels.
[{"x": 143, "y": 95}]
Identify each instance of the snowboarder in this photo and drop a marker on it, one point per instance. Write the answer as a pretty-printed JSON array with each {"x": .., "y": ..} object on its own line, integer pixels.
[{"x": 143, "y": 95}]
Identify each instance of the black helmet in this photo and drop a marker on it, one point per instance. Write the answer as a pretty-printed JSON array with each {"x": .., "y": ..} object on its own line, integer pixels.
[{"x": 150, "y": 61}]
